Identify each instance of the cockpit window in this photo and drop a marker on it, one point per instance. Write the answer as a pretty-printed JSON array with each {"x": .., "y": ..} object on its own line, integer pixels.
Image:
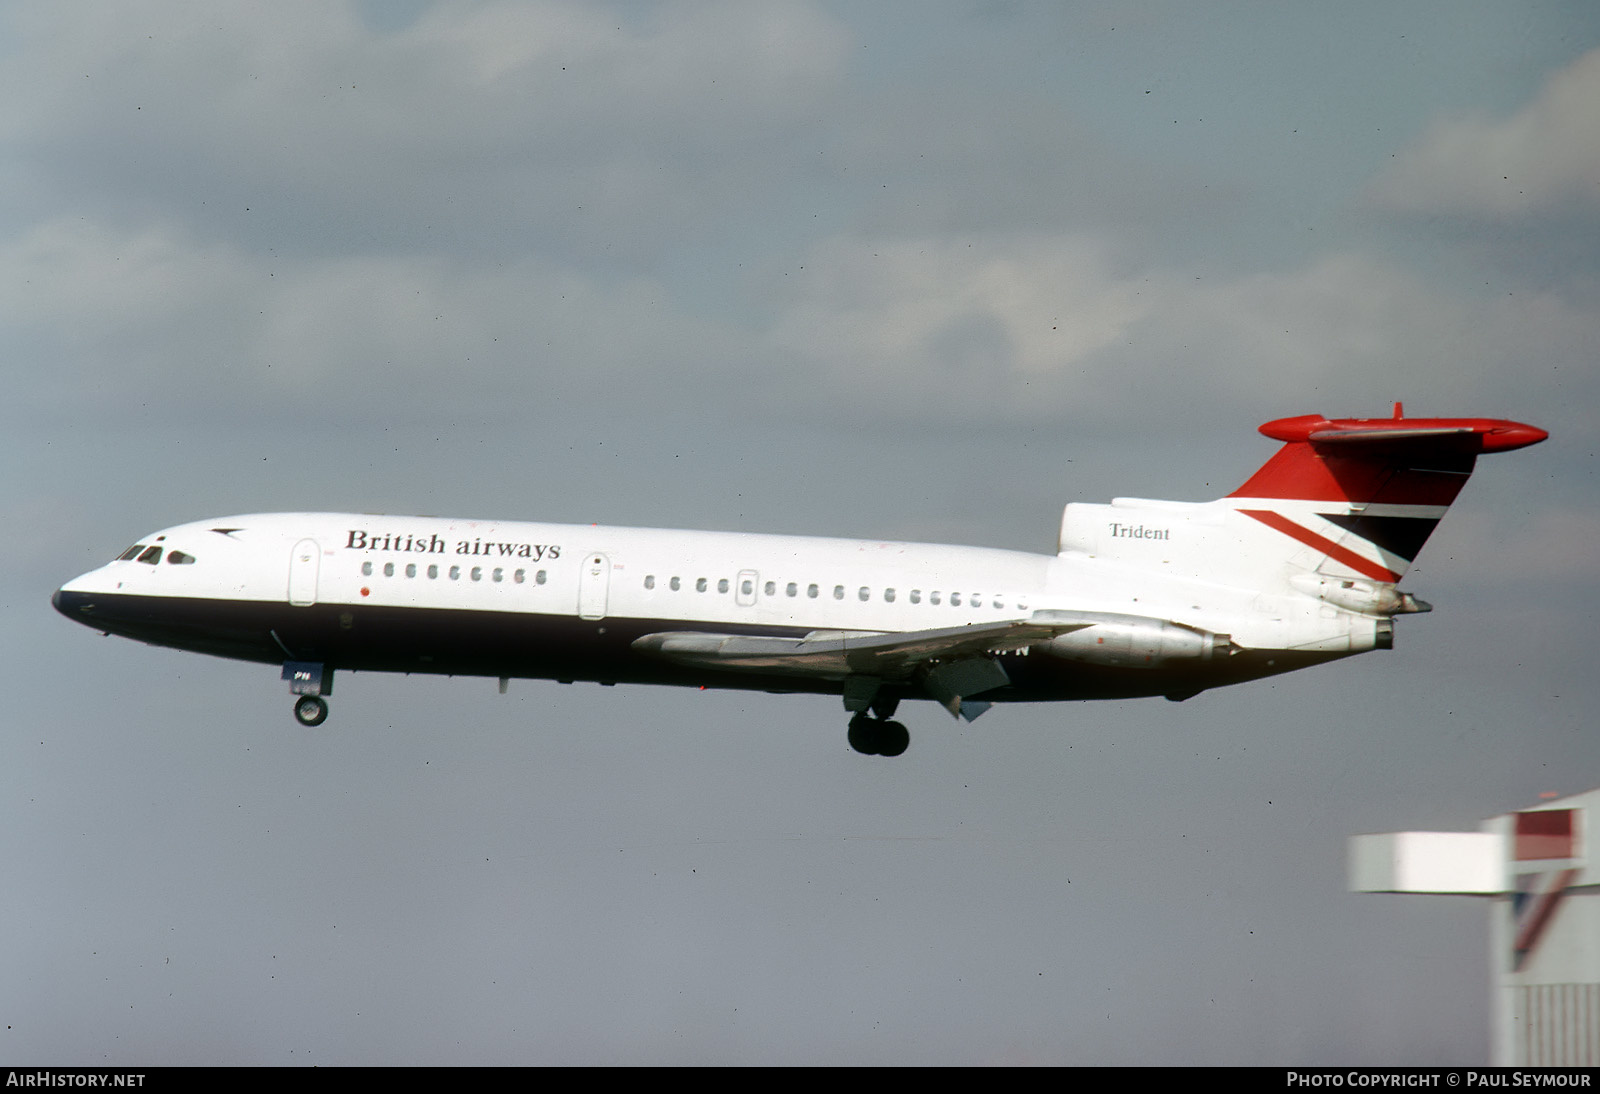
[
  {"x": 130, "y": 552},
  {"x": 178, "y": 558},
  {"x": 152, "y": 555}
]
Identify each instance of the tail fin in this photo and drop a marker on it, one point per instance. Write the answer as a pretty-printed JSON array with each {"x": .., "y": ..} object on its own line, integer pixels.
[
  {"x": 1365, "y": 493},
  {"x": 1339, "y": 512}
]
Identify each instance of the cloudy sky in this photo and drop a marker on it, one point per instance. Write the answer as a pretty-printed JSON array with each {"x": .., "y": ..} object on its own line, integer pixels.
[{"x": 919, "y": 271}]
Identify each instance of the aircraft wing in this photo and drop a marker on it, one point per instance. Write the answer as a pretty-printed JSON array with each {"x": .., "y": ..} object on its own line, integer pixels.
[{"x": 894, "y": 655}]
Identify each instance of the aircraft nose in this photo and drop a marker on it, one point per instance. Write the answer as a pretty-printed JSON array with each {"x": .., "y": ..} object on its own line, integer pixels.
[{"x": 75, "y": 605}]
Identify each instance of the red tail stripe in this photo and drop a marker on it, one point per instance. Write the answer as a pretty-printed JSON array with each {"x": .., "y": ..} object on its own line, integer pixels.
[{"x": 1280, "y": 523}]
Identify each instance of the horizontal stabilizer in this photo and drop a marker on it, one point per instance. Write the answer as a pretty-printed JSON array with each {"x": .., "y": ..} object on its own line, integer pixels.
[{"x": 1358, "y": 436}]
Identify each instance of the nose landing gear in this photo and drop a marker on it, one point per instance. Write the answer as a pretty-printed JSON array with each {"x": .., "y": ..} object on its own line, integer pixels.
[{"x": 309, "y": 681}]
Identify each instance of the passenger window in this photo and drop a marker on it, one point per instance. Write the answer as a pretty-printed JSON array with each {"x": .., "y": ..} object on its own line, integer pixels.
[
  {"x": 955, "y": 600},
  {"x": 674, "y": 584},
  {"x": 477, "y": 573},
  {"x": 995, "y": 603},
  {"x": 366, "y": 568},
  {"x": 455, "y": 573},
  {"x": 771, "y": 589},
  {"x": 433, "y": 571},
  {"x": 791, "y": 589},
  {"x": 916, "y": 596},
  {"x": 539, "y": 577},
  {"x": 975, "y": 600},
  {"x": 411, "y": 569},
  {"x": 838, "y": 592},
  {"x": 650, "y": 581},
  {"x": 519, "y": 576},
  {"x": 498, "y": 574},
  {"x": 863, "y": 593},
  {"x": 933, "y": 597},
  {"x": 811, "y": 591},
  {"x": 722, "y": 585},
  {"x": 888, "y": 595},
  {"x": 152, "y": 555},
  {"x": 748, "y": 588},
  {"x": 700, "y": 585},
  {"x": 130, "y": 553},
  {"x": 388, "y": 569}
]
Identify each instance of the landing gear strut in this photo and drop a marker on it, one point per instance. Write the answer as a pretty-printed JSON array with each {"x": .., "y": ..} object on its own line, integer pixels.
[{"x": 877, "y": 736}]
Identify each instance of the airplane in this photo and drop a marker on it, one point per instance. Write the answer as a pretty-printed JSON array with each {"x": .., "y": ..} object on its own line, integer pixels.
[{"x": 1297, "y": 567}]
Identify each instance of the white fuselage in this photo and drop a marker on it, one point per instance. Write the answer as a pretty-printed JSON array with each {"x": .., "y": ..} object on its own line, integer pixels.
[{"x": 505, "y": 598}]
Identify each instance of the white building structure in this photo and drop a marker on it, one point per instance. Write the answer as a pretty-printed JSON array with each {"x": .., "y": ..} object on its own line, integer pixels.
[{"x": 1535, "y": 868}]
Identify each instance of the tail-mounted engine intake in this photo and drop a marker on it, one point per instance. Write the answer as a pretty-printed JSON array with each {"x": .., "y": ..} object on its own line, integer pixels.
[{"x": 1131, "y": 641}]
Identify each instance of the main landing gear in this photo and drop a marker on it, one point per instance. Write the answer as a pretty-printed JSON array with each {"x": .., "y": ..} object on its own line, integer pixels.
[
  {"x": 873, "y": 734},
  {"x": 878, "y": 736},
  {"x": 309, "y": 681}
]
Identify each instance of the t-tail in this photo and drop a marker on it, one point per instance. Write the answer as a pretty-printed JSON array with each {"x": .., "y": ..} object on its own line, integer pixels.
[{"x": 1340, "y": 512}]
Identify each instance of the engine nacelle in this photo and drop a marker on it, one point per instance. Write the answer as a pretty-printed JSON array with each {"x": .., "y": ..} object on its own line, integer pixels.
[{"x": 1134, "y": 642}]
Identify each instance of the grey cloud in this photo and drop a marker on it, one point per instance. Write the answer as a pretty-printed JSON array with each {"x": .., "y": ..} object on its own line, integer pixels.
[
  {"x": 1000, "y": 329},
  {"x": 1070, "y": 333},
  {"x": 203, "y": 327},
  {"x": 475, "y": 120},
  {"x": 1543, "y": 159}
]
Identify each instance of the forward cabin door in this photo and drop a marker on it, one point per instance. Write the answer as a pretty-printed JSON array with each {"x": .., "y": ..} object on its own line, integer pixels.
[
  {"x": 593, "y": 584},
  {"x": 303, "y": 563}
]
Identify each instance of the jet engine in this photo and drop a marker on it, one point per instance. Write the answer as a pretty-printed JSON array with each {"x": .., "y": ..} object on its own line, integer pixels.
[{"x": 1137, "y": 642}]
